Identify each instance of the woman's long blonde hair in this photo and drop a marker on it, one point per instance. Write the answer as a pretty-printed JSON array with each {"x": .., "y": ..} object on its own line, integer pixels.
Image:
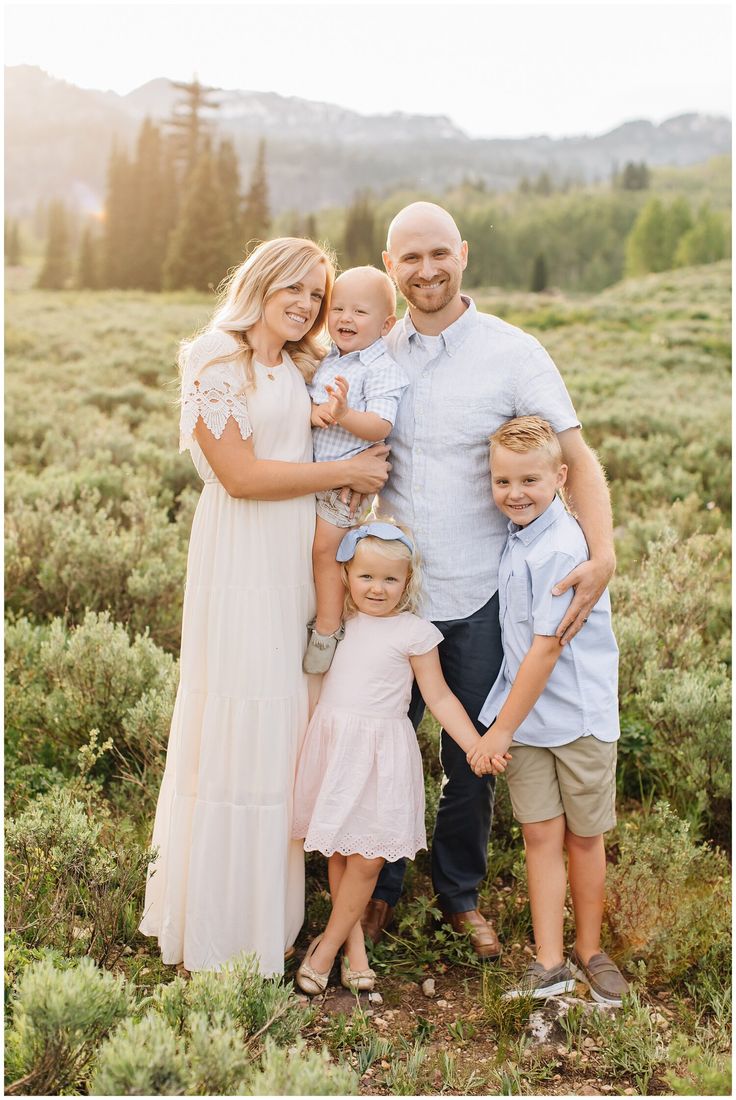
[{"x": 271, "y": 266}]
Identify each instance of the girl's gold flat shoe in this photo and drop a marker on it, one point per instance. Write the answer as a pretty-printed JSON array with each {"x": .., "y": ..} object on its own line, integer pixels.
[
  {"x": 308, "y": 979},
  {"x": 357, "y": 981}
]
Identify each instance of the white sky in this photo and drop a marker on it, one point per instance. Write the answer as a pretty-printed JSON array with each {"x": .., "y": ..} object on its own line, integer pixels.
[{"x": 495, "y": 69}]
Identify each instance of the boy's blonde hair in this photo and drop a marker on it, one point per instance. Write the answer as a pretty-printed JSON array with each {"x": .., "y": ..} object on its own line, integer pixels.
[
  {"x": 271, "y": 266},
  {"x": 528, "y": 433},
  {"x": 411, "y": 597}
]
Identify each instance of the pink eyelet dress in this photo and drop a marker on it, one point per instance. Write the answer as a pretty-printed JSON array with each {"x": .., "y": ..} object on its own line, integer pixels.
[{"x": 359, "y": 782}]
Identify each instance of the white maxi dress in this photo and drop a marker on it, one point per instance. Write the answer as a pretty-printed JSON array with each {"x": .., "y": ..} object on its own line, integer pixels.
[{"x": 228, "y": 878}]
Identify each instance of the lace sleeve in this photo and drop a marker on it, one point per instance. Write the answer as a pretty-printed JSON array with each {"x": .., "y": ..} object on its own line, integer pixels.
[{"x": 211, "y": 392}]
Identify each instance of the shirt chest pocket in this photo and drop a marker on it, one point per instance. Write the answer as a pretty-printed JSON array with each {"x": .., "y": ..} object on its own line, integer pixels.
[
  {"x": 469, "y": 424},
  {"x": 518, "y": 599}
]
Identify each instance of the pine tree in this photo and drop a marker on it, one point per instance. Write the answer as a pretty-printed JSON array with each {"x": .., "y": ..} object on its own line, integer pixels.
[
  {"x": 679, "y": 221},
  {"x": 539, "y": 274},
  {"x": 12, "y": 243},
  {"x": 199, "y": 247},
  {"x": 359, "y": 238},
  {"x": 87, "y": 277},
  {"x": 56, "y": 265},
  {"x": 646, "y": 245},
  {"x": 256, "y": 213},
  {"x": 190, "y": 129},
  {"x": 635, "y": 177},
  {"x": 148, "y": 229},
  {"x": 228, "y": 177},
  {"x": 704, "y": 243},
  {"x": 310, "y": 227},
  {"x": 120, "y": 260}
]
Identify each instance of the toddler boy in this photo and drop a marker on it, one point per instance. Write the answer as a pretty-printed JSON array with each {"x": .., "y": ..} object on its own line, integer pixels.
[
  {"x": 553, "y": 709},
  {"x": 351, "y": 410}
]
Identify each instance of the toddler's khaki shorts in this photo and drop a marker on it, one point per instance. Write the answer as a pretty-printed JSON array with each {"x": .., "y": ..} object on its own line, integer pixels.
[
  {"x": 577, "y": 780},
  {"x": 336, "y": 511}
]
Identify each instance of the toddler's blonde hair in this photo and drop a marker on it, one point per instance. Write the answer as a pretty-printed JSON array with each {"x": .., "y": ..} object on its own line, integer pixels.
[
  {"x": 411, "y": 597},
  {"x": 527, "y": 433},
  {"x": 384, "y": 284}
]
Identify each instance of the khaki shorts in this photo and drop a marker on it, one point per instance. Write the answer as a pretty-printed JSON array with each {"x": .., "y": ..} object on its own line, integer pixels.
[
  {"x": 337, "y": 512},
  {"x": 577, "y": 780}
]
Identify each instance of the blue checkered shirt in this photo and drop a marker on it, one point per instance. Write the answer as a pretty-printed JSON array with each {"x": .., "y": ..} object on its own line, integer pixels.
[{"x": 376, "y": 385}]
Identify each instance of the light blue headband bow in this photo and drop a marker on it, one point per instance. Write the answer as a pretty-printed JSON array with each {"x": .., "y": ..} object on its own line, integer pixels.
[{"x": 386, "y": 531}]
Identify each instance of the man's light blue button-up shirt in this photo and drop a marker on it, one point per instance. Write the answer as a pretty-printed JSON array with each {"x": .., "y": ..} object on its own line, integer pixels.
[
  {"x": 465, "y": 383},
  {"x": 376, "y": 385},
  {"x": 581, "y": 695}
]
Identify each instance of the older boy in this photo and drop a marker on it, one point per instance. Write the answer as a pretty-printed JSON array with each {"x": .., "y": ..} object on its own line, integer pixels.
[{"x": 555, "y": 709}]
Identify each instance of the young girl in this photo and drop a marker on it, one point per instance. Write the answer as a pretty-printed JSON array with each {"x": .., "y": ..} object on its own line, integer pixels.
[{"x": 359, "y": 795}]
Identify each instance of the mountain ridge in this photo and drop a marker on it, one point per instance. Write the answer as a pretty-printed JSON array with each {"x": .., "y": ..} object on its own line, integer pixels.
[{"x": 59, "y": 136}]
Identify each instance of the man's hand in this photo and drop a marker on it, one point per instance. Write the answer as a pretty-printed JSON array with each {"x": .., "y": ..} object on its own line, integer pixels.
[
  {"x": 338, "y": 403},
  {"x": 589, "y": 580}
]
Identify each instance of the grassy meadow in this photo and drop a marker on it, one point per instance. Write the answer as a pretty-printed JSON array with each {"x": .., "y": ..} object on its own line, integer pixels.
[{"x": 98, "y": 510}]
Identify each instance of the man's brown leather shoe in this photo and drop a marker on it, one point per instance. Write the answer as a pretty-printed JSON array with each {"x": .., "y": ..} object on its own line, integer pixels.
[
  {"x": 483, "y": 938},
  {"x": 377, "y": 917}
]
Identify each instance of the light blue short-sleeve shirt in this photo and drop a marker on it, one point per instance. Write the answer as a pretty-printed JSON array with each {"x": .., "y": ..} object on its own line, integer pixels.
[
  {"x": 581, "y": 695},
  {"x": 376, "y": 385},
  {"x": 464, "y": 383}
]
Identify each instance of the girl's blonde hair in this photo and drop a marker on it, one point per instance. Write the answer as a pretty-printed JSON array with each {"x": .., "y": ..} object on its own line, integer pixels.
[
  {"x": 411, "y": 597},
  {"x": 270, "y": 267}
]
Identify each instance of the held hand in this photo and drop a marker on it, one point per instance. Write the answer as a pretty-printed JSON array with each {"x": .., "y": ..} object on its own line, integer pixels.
[
  {"x": 589, "y": 580},
  {"x": 495, "y": 765},
  {"x": 369, "y": 469},
  {"x": 338, "y": 403},
  {"x": 492, "y": 746}
]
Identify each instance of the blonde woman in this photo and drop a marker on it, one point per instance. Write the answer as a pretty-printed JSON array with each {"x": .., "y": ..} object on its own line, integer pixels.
[{"x": 228, "y": 878}]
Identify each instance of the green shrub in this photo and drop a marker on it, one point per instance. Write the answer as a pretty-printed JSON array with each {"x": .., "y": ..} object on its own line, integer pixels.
[
  {"x": 667, "y": 899},
  {"x": 419, "y": 942},
  {"x": 300, "y": 1072},
  {"x": 259, "y": 1006},
  {"x": 63, "y": 558},
  {"x": 59, "y": 1019},
  {"x": 674, "y": 682},
  {"x": 218, "y": 1059},
  {"x": 629, "y": 1041},
  {"x": 698, "y": 1072},
  {"x": 63, "y": 683},
  {"x": 142, "y": 1058},
  {"x": 69, "y": 882},
  {"x": 237, "y": 1001}
]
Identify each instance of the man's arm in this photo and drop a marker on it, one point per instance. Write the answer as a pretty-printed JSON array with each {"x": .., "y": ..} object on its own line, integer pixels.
[{"x": 587, "y": 494}]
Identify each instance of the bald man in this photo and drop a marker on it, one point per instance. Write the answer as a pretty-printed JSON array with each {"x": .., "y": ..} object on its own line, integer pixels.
[{"x": 469, "y": 373}]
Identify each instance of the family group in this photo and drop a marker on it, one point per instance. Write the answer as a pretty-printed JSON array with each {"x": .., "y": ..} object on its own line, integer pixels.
[{"x": 403, "y": 517}]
